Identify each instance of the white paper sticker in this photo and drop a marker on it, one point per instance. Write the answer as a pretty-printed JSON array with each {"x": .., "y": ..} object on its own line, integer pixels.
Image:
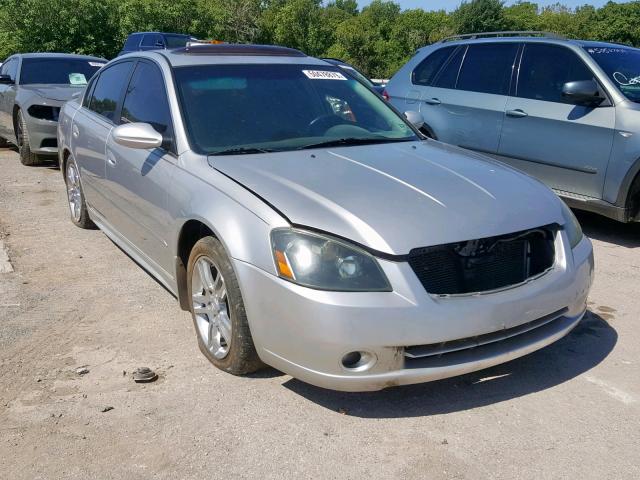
[
  {"x": 77, "y": 79},
  {"x": 323, "y": 75},
  {"x": 96, "y": 64}
]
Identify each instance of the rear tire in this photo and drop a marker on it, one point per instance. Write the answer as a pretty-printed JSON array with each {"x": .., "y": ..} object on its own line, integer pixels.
[
  {"x": 218, "y": 311},
  {"x": 77, "y": 205},
  {"x": 27, "y": 157}
]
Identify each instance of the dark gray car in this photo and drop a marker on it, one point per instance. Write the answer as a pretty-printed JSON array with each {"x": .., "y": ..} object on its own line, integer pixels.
[
  {"x": 33, "y": 87},
  {"x": 564, "y": 111}
]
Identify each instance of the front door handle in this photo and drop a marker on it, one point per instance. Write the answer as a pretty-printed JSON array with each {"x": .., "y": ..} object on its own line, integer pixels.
[
  {"x": 432, "y": 101},
  {"x": 517, "y": 113},
  {"x": 74, "y": 131},
  {"x": 111, "y": 159}
]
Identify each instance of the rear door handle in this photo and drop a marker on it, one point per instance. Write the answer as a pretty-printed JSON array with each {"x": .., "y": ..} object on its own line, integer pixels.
[
  {"x": 517, "y": 113},
  {"x": 432, "y": 101},
  {"x": 111, "y": 159},
  {"x": 74, "y": 131}
]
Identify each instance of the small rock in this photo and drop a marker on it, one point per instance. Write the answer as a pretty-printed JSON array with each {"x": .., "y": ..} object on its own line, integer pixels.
[
  {"x": 343, "y": 411},
  {"x": 38, "y": 380},
  {"x": 106, "y": 409},
  {"x": 124, "y": 373},
  {"x": 444, "y": 442},
  {"x": 144, "y": 375},
  {"x": 82, "y": 370}
]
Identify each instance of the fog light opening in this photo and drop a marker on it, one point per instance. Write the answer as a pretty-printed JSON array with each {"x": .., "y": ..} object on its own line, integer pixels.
[{"x": 358, "y": 361}]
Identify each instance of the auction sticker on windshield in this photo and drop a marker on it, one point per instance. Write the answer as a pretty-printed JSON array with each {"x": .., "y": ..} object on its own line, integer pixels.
[{"x": 323, "y": 75}]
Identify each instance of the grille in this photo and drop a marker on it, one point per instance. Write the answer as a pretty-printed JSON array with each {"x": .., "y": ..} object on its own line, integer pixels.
[{"x": 485, "y": 264}]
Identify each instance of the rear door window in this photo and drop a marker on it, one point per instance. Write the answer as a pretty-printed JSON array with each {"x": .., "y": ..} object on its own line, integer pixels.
[
  {"x": 427, "y": 70},
  {"x": 146, "y": 99},
  {"x": 544, "y": 69},
  {"x": 487, "y": 68},
  {"x": 152, "y": 40},
  {"x": 108, "y": 90},
  {"x": 448, "y": 75},
  {"x": 133, "y": 42}
]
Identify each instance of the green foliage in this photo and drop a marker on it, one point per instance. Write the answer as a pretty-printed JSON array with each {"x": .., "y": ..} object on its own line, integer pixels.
[
  {"x": 378, "y": 39},
  {"x": 479, "y": 16}
]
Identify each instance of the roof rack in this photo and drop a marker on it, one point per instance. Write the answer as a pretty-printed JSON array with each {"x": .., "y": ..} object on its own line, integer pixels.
[
  {"x": 195, "y": 48},
  {"x": 473, "y": 36}
]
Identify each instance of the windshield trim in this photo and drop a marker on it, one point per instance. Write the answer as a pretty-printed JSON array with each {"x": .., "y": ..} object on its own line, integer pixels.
[{"x": 193, "y": 146}]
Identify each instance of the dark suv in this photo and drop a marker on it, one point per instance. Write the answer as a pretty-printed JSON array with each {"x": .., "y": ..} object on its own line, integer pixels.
[{"x": 155, "y": 41}]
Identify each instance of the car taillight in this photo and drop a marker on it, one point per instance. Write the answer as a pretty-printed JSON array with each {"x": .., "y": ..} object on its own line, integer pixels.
[{"x": 385, "y": 95}]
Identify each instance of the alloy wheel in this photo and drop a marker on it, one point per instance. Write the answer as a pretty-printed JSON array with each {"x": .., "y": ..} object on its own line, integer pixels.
[
  {"x": 73, "y": 191},
  {"x": 210, "y": 307}
]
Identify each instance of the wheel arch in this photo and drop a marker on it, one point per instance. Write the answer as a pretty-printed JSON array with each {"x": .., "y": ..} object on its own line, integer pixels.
[
  {"x": 629, "y": 192},
  {"x": 191, "y": 231},
  {"x": 428, "y": 131}
]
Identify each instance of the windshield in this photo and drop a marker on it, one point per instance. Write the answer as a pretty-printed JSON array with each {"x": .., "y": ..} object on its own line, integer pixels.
[
  {"x": 58, "y": 71},
  {"x": 622, "y": 65},
  {"x": 176, "y": 41},
  {"x": 266, "y": 107}
]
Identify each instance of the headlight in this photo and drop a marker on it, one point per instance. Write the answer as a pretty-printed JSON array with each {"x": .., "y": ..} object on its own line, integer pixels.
[
  {"x": 325, "y": 263},
  {"x": 571, "y": 226}
]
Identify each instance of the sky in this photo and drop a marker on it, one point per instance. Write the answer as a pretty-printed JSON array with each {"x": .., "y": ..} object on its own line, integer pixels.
[{"x": 452, "y": 4}]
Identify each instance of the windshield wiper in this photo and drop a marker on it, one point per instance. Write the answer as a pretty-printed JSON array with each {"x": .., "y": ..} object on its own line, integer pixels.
[
  {"x": 243, "y": 151},
  {"x": 338, "y": 142}
]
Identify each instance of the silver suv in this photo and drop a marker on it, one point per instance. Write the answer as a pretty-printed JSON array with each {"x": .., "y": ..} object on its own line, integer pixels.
[
  {"x": 307, "y": 225},
  {"x": 564, "y": 111}
]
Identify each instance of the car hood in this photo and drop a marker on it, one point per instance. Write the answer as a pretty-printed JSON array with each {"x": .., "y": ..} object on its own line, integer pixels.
[
  {"x": 59, "y": 93},
  {"x": 396, "y": 197}
]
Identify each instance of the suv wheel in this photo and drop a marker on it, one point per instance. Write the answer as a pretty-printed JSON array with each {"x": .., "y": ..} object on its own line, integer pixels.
[{"x": 218, "y": 311}]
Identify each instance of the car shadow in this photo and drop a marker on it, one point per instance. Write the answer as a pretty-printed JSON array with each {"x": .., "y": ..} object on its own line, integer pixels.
[
  {"x": 606, "y": 230},
  {"x": 584, "y": 348}
]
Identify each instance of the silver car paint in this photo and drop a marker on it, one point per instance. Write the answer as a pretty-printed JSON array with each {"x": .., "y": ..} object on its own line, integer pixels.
[
  {"x": 579, "y": 152},
  {"x": 24, "y": 96},
  {"x": 303, "y": 331}
]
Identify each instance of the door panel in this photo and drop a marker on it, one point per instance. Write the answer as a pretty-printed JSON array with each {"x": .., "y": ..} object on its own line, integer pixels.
[
  {"x": 468, "y": 119},
  {"x": 89, "y": 132},
  {"x": 468, "y": 95},
  {"x": 139, "y": 179},
  {"x": 138, "y": 184},
  {"x": 7, "y": 99},
  {"x": 566, "y": 146}
]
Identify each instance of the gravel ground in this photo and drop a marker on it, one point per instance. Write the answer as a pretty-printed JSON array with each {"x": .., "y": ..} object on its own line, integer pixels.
[{"x": 75, "y": 300}]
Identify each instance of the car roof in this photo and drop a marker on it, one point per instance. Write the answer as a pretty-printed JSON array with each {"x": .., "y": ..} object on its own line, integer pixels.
[
  {"x": 160, "y": 33},
  {"x": 207, "y": 54},
  {"x": 58, "y": 55},
  {"x": 543, "y": 37}
]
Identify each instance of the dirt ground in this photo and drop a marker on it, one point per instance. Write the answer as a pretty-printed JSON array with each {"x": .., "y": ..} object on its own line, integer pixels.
[{"x": 74, "y": 299}]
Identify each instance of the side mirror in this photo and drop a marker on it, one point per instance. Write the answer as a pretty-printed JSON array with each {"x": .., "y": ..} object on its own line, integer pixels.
[
  {"x": 414, "y": 118},
  {"x": 6, "y": 80},
  {"x": 137, "y": 135},
  {"x": 583, "y": 92}
]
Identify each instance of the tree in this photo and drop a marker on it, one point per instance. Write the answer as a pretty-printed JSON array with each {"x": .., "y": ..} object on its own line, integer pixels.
[{"x": 479, "y": 16}]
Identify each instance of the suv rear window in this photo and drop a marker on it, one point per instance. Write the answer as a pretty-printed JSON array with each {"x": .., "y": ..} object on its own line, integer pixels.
[
  {"x": 427, "y": 70},
  {"x": 487, "y": 68}
]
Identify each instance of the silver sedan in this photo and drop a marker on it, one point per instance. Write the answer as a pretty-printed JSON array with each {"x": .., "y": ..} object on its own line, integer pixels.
[{"x": 309, "y": 226}]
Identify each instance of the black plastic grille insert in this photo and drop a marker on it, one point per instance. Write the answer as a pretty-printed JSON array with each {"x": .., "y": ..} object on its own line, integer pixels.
[{"x": 484, "y": 264}]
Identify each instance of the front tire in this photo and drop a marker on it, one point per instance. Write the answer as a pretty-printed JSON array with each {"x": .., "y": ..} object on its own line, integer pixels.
[
  {"x": 27, "y": 157},
  {"x": 75, "y": 195},
  {"x": 218, "y": 311}
]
